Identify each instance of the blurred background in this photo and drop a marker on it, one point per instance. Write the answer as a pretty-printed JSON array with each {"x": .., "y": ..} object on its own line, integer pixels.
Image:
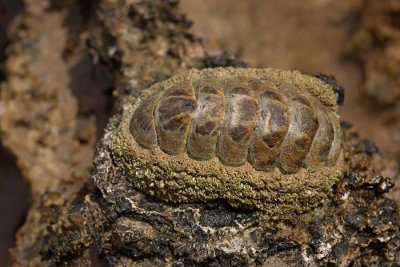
[{"x": 357, "y": 41}]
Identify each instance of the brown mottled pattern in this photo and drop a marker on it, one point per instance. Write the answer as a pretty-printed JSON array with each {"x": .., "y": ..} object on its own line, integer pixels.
[
  {"x": 206, "y": 123},
  {"x": 266, "y": 124}
]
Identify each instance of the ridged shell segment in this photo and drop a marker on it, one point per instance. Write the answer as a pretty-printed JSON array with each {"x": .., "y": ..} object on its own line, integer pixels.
[{"x": 240, "y": 120}]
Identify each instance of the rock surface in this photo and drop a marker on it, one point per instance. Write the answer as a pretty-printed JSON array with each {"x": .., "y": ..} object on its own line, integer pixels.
[{"x": 133, "y": 45}]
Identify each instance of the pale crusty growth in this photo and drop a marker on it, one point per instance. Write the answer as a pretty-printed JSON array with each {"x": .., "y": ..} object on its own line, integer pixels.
[{"x": 258, "y": 138}]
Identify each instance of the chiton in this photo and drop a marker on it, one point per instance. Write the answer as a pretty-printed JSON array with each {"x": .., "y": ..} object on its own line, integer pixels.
[{"x": 256, "y": 138}]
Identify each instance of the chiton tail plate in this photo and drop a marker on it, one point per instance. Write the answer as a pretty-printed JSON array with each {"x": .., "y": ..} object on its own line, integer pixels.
[{"x": 258, "y": 138}]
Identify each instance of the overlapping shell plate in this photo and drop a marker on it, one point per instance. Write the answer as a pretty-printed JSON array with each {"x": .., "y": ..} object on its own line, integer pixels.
[{"x": 257, "y": 138}]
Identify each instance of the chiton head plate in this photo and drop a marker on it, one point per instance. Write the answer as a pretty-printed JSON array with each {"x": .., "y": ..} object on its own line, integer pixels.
[{"x": 257, "y": 138}]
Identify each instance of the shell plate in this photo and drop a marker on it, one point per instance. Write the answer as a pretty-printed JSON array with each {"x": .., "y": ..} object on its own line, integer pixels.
[{"x": 258, "y": 138}]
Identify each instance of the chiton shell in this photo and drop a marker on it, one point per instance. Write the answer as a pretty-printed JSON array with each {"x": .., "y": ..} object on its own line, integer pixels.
[{"x": 257, "y": 138}]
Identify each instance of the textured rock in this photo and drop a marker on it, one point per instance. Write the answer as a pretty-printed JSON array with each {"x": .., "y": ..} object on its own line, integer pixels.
[
  {"x": 111, "y": 222},
  {"x": 376, "y": 44},
  {"x": 357, "y": 225},
  {"x": 37, "y": 102}
]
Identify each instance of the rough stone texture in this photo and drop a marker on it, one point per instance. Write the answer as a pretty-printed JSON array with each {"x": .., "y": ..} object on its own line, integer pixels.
[
  {"x": 37, "y": 103},
  {"x": 141, "y": 35},
  {"x": 77, "y": 224},
  {"x": 121, "y": 225},
  {"x": 45, "y": 122},
  {"x": 13, "y": 188},
  {"x": 376, "y": 43},
  {"x": 8, "y": 10}
]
